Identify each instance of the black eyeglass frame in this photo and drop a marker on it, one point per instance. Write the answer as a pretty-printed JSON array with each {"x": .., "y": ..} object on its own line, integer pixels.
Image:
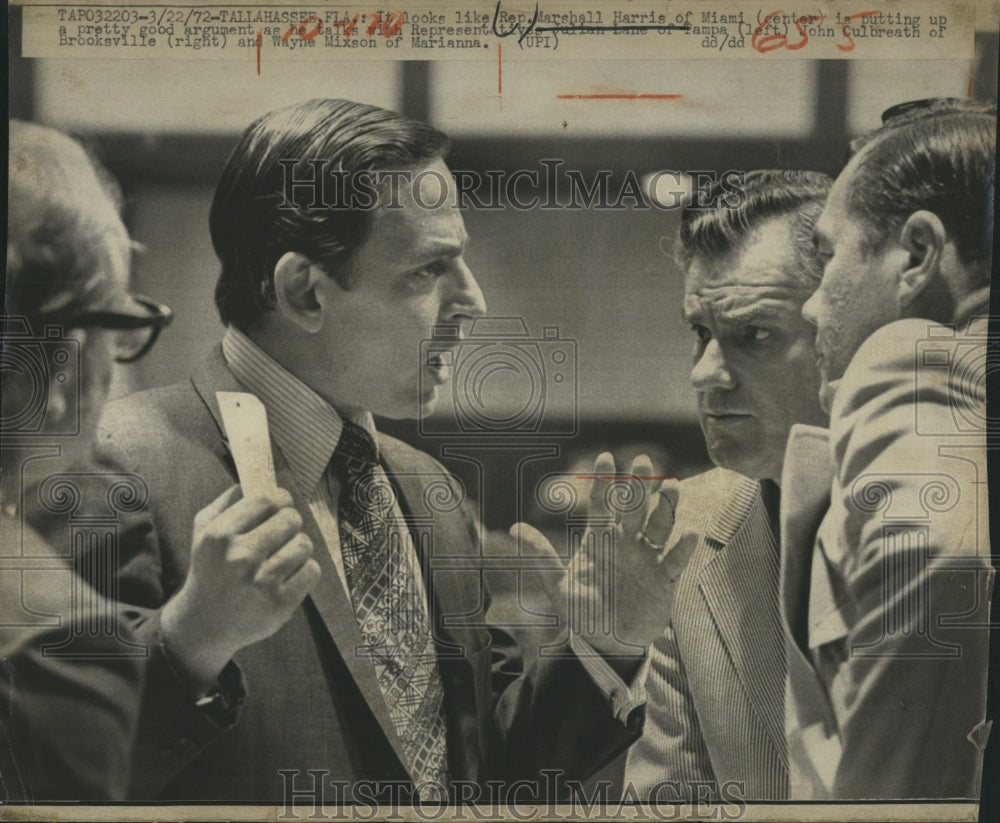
[{"x": 159, "y": 318}]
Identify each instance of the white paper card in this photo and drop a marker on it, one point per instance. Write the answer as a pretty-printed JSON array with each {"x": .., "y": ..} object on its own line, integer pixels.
[{"x": 245, "y": 420}]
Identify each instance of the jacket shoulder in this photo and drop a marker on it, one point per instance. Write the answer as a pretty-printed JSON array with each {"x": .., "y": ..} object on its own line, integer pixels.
[
  {"x": 151, "y": 421},
  {"x": 402, "y": 455}
]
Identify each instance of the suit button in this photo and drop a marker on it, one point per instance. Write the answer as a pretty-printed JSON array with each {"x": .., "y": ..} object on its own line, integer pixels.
[
  {"x": 186, "y": 746},
  {"x": 167, "y": 753}
]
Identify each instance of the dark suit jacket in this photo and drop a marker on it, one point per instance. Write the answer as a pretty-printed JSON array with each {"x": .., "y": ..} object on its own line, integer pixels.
[
  {"x": 311, "y": 702},
  {"x": 69, "y": 703}
]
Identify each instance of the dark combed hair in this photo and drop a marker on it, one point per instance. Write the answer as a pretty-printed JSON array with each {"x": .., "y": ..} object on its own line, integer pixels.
[
  {"x": 937, "y": 155},
  {"x": 251, "y": 224},
  {"x": 764, "y": 193}
]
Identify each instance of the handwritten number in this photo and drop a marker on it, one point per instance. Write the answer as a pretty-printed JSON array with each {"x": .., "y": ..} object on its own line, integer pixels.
[
  {"x": 843, "y": 29},
  {"x": 771, "y": 41},
  {"x": 811, "y": 18}
]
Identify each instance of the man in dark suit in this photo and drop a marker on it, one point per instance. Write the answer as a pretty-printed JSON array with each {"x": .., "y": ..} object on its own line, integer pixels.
[
  {"x": 71, "y": 673},
  {"x": 341, "y": 252},
  {"x": 886, "y": 579}
]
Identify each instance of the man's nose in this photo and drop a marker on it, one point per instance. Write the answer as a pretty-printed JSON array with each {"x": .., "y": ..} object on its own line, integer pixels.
[
  {"x": 710, "y": 370},
  {"x": 464, "y": 300}
]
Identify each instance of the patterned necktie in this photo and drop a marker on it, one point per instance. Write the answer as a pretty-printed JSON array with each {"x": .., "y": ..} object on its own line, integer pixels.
[{"x": 390, "y": 606}]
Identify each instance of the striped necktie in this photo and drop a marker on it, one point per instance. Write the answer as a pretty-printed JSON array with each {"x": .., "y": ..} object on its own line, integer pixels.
[{"x": 390, "y": 606}]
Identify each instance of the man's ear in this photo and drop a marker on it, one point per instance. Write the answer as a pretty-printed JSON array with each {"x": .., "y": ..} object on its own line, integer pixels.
[
  {"x": 295, "y": 283},
  {"x": 923, "y": 237}
]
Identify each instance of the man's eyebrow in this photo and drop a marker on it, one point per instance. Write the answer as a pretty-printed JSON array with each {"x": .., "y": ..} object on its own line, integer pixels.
[
  {"x": 441, "y": 248},
  {"x": 770, "y": 309}
]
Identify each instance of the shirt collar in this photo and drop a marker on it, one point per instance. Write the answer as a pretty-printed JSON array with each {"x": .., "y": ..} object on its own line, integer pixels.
[{"x": 303, "y": 425}]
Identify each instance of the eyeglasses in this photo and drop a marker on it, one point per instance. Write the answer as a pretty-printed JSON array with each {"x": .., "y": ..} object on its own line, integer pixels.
[{"x": 134, "y": 335}]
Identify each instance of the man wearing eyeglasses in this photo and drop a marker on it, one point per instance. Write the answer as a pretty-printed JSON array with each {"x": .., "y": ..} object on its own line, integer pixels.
[
  {"x": 72, "y": 671},
  {"x": 69, "y": 696}
]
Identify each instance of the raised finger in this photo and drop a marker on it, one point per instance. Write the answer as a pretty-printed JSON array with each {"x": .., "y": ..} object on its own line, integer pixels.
[
  {"x": 663, "y": 515},
  {"x": 599, "y": 508},
  {"x": 641, "y": 486}
]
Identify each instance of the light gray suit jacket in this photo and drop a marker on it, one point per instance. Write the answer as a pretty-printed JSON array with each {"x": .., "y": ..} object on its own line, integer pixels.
[
  {"x": 886, "y": 576},
  {"x": 715, "y": 679}
]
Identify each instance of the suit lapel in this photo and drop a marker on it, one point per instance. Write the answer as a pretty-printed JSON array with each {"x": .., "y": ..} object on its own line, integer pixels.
[
  {"x": 807, "y": 475},
  {"x": 740, "y": 588},
  {"x": 456, "y": 602},
  {"x": 810, "y": 724},
  {"x": 328, "y": 597},
  {"x": 213, "y": 375}
]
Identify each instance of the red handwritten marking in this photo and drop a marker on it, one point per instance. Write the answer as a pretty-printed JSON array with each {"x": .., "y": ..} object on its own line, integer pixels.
[
  {"x": 843, "y": 28},
  {"x": 619, "y": 96},
  {"x": 812, "y": 18},
  {"x": 500, "y": 68},
  {"x": 388, "y": 27},
  {"x": 300, "y": 29},
  {"x": 772, "y": 41},
  {"x": 348, "y": 25},
  {"x": 624, "y": 477},
  {"x": 391, "y": 26}
]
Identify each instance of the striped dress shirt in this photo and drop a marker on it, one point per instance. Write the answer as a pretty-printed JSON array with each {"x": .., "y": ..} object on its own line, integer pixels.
[{"x": 306, "y": 428}]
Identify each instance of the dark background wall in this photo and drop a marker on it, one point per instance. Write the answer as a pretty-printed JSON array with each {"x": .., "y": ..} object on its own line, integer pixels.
[{"x": 601, "y": 278}]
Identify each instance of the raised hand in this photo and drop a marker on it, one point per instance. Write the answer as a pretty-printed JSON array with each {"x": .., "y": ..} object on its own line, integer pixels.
[
  {"x": 619, "y": 586},
  {"x": 251, "y": 567}
]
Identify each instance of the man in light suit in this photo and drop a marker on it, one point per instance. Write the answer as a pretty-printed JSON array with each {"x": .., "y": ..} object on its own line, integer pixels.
[
  {"x": 715, "y": 678},
  {"x": 71, "y": 674},
  {"x": 886, "y": 578},
  {"x": 341, "y": 252}
]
